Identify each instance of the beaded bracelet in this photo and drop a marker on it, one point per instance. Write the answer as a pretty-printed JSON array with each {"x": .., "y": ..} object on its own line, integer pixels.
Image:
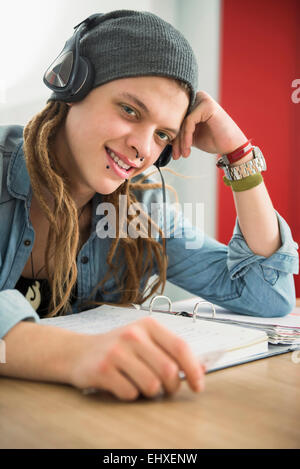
[{"x": 245, "y": 183}]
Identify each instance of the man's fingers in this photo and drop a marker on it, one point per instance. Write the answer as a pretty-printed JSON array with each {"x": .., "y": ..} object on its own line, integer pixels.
[
  {"x": 112, "y": 380},
  {"x": 187, "y": 136},
  {"x": 180, "y": 351},
  {"x": 176, "y": 148},
  {"x": 153, "y": 368}
]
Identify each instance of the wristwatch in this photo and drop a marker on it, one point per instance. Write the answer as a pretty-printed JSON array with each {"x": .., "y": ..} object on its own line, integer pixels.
[{"x": 254, "y": 166}]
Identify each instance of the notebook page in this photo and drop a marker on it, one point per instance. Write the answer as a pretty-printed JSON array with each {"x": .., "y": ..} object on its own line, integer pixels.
[{"x": 202, "y": 336}]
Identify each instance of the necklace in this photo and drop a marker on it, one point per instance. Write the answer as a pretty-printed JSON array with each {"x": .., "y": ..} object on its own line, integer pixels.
[{"x": 32, "y": 268}]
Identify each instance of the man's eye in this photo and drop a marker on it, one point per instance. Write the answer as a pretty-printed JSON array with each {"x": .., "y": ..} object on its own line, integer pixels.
[
  {"x": 164, "y": 137},
  {"x": 128, "y": 110},
  {"x": 131, "y": 112}
]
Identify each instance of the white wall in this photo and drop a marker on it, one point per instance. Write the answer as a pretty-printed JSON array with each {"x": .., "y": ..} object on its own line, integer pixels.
[{"x": 30, "y": 40}]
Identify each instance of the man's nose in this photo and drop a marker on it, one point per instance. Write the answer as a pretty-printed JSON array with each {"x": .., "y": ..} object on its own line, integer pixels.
[{"x": 142, "y": 144}]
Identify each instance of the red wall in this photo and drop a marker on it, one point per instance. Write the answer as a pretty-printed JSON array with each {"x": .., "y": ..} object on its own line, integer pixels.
[{"x": 260, "y": 57}]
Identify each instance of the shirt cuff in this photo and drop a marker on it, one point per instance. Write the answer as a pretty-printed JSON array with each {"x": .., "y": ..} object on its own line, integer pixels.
[
  {"x": 240, "y": 257},
  {"x": 14, "y": 308}
]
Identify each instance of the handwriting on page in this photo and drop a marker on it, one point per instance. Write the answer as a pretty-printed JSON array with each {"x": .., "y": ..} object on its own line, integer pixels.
[{"x": 202, "y": 336}]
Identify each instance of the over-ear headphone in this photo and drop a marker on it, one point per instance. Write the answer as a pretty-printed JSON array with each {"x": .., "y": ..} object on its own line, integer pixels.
[
  {"x": 164, "y": 158},
  {"x": 71, "y": 76}
]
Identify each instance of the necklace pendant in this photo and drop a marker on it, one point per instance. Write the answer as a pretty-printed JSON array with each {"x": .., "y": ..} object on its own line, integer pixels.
[{"x": 33, "y": 295}]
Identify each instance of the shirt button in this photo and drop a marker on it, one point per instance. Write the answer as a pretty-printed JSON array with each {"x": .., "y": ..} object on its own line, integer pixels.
[
  {"x": 84, "y": 260},
  {"x": 27, "y": 242}
]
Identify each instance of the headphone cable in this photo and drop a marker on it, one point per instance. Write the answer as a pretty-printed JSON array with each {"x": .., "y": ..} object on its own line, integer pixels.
[{"x": 164, "y": 213}]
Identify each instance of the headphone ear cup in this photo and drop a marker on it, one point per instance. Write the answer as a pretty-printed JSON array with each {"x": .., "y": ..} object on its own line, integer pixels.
[
  {"x": 71, "y": 76},
  {"x": 83, "y": 80},
  {"x": 78, "y": 86},
  {"x": 164, "y": 158}
]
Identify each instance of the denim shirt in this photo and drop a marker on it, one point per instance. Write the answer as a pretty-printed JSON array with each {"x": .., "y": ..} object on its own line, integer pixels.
[{"x": 230, "y": 276}]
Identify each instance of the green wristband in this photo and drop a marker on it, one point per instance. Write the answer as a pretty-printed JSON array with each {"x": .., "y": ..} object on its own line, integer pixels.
[{"x": 245, "y": 183}]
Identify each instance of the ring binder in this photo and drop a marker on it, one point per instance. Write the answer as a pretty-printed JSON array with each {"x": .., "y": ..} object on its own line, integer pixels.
[
  {"x": 195, "y": 310},
  {"x": 156, "y": 298},
  {"x": 182, "y": 313}
]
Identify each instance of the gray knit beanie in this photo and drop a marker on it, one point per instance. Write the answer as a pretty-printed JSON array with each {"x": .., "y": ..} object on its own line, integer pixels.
[{"x": 126, "y": 43}]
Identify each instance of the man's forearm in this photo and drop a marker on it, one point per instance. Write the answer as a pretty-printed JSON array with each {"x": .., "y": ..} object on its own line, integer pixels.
[
  {"x": 38, "y": 352},
  {"x": 257, "y": 218}
]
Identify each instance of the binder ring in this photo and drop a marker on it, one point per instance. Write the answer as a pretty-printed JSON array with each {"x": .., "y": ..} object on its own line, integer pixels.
[
  {"x": 195, "y": 310},
  {"x": 156, "y": 298}
]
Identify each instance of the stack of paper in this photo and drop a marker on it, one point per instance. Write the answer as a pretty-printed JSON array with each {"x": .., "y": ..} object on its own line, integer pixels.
[{"x": 280, "y": 330}]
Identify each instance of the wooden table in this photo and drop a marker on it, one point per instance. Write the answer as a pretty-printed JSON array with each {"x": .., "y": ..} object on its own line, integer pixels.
[{"x": 254, "y": 405}]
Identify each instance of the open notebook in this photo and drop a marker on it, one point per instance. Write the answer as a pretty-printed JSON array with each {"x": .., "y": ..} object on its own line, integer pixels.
[{"x": 217, "y": 345}]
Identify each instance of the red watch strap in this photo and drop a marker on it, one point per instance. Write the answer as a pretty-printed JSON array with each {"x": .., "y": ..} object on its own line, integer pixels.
[{"x": 240, "y": 152}]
